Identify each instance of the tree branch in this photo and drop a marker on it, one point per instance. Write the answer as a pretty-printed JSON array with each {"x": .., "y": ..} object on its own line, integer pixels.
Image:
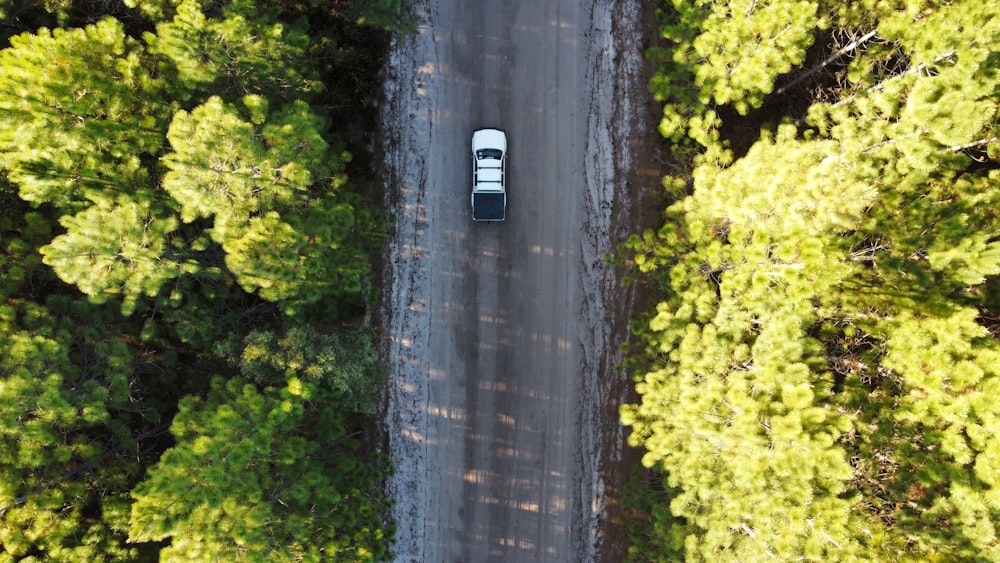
[
  {"x": 974, "y": 144},
  {"x": 840, "y": 53}
]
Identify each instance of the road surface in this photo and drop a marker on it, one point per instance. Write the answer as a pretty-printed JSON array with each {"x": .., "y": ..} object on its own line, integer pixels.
[{"x": 501, "y": 337}]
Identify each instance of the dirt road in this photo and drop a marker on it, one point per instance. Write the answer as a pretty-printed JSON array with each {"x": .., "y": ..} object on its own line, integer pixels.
[{"x": 502, "y": 338}]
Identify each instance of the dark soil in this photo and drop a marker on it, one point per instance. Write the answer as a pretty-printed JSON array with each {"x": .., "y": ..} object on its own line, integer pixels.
[{"x": 644, "y": 190}]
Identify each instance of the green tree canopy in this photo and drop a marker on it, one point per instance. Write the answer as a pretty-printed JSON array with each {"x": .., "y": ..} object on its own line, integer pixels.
[
  {"x": 820, "y": 374},
  {"x": 121, "y": 251},
  {"x": 246, "y": 50},
  {"x": 344, "y": 363},
  {"x": 274, "y": 196},
  {"x": 62, "y": 453},
  {"x": 224, "y": 166},
  {"x": 725, "y": 54},
  {"x": 260, "y": 475},
  {"x": 80, "y": 112},
  {"x": 170, "y": 178}
]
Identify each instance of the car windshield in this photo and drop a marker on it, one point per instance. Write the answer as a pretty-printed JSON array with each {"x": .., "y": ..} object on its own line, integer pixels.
[{"x": 489, "y": 153}]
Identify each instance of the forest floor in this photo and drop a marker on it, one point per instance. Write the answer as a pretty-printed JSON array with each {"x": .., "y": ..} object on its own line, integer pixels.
[{"x": 642, "y": 187}]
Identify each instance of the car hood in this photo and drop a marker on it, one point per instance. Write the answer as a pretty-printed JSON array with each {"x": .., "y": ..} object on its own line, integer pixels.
[{"x": 489, "y": 139}]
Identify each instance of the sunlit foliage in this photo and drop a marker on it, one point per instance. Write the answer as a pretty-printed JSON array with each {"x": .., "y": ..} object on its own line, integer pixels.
[
  {"x": 184, "y": 262},
  {"x": 820, "y": 376}
]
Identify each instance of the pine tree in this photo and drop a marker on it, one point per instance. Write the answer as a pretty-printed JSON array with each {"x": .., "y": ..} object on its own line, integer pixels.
[
  {"x": 246, "y": 50},
  {"x": 62, "y": 453},
  {"x": 273, "y": 194},
  {"x": 738, "y": 416},
  {"x": 112, "y": 184},
  {"x": 821, "y": 379},
  {"x": 122, "y": 251},
  {"x": 344, "y": 363},
  {"x": 725, "y": 54},
  {"x": 262, "y": 475},
  {"x": 78, "y": 115}
]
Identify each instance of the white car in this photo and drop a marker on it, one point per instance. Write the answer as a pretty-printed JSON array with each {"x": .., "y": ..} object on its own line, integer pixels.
[{"x": 489, "y": 168}]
